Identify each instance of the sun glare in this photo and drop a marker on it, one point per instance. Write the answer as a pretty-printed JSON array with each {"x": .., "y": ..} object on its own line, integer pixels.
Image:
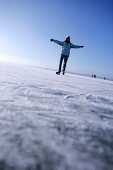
[
  {"x": 6, "y": 58},
  {"x": 21, "y": 60}
]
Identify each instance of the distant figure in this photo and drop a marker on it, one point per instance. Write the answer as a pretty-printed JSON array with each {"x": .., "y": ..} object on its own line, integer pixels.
[
  {"x": 94, "y": 76},
  {"x": 104, "y": 78},
  {"x": 66, "y": 46}
]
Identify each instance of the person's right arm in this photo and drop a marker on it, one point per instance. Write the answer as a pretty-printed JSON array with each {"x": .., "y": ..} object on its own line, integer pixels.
[{"x": 56, "y": 41}]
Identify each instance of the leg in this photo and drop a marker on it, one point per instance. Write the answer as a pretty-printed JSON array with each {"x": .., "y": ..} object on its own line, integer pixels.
[
  {"x": 65, "y": 62},
  {"x": 60, "y": 64}
]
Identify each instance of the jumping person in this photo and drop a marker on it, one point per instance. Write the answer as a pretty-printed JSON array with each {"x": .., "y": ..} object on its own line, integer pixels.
[{"x": 66, "y": 46}]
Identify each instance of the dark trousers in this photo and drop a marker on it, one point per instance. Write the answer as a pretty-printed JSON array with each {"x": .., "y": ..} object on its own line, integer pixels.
[{"x": 65, "y": 58}]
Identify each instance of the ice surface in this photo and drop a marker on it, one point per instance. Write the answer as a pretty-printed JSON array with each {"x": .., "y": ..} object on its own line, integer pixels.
[{"x": 51, "y": 122}]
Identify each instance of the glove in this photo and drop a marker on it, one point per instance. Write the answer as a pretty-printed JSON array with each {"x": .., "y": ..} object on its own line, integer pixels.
[
  {"x": 51, "y": 39},
  {"x": 81, "y": 46}
]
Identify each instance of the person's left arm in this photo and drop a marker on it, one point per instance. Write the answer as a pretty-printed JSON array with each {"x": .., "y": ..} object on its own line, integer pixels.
[{"x": 76, "y": 46}]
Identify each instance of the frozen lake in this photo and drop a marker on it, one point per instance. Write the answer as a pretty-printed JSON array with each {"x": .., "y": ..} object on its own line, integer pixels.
[{"x": 51, "y": 122}]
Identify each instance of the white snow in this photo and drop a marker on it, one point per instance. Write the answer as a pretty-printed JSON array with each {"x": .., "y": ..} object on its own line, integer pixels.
[{"x": 51, "y": 122}]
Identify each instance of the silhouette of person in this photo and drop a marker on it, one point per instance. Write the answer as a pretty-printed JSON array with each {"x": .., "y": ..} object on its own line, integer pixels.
[{"x": 65, "y": 52}]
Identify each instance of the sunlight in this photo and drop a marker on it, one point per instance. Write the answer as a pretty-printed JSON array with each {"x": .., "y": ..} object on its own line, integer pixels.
[
  {"x": 21, "y": 60},
  {"x": 7, "y": 58}
]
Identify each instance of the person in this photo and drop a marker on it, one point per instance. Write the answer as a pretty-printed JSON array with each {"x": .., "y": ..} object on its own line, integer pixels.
[{"x": 66, "y": 46}]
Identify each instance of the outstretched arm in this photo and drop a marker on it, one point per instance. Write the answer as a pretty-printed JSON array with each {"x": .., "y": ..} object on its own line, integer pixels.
[
  {"x": 76, "y": 46},
  {"x": 56, "y": 41}
]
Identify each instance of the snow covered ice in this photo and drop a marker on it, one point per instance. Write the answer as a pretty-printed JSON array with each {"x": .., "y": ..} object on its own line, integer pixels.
[{"x": 51, "y": 122}]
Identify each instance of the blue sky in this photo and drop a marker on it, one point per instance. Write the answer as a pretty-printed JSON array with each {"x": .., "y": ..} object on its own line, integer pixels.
[{"x": 27, "y": 25}]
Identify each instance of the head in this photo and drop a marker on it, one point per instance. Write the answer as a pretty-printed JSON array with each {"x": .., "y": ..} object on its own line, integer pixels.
[{"x": 67, "y": 39}]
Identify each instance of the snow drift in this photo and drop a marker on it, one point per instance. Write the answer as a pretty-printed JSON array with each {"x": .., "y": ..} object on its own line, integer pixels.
[{"x": 51, "y": 122}]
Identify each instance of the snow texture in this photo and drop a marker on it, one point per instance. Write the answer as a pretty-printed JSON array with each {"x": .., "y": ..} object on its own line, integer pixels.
[{"x": 51, "y": 122}]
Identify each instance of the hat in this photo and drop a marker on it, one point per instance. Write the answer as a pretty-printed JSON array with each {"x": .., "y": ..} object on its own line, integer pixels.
[{"x": 68, "y": 37}]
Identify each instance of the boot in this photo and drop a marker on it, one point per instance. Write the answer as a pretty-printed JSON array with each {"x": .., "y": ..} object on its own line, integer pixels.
[{"x": 58, "y": 72}]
